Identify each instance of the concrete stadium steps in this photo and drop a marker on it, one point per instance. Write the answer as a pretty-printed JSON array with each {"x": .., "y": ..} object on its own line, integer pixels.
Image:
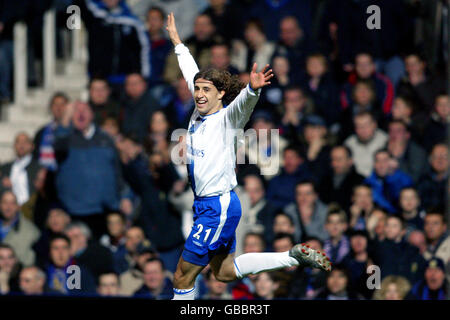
[{"x": 33, "y": 113}]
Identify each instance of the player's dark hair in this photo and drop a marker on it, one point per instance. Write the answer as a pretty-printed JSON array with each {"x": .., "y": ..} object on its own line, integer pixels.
[{"x": 222, "y": 80}]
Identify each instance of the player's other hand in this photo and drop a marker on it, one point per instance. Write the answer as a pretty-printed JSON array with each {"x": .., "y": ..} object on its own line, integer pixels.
[
  {"x": 172, "y": 29},
  {"x": 260, "y": 79}
]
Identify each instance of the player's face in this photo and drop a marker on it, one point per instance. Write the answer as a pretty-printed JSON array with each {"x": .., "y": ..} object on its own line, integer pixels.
[{"x": 207, "y": 98}]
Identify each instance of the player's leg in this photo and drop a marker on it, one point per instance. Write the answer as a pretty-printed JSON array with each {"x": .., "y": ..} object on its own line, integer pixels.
[
  {"x": 227, "y": 268},
  {"x": 184, "y": 280}
]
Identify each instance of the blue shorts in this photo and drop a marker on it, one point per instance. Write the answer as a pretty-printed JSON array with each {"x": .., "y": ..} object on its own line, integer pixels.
[{"x": 215, "y": 221}]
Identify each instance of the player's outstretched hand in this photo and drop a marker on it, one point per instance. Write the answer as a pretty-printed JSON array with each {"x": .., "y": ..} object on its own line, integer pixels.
[
  {"x": 260, "y": 79},
  {"x": 172, "y": 29}
]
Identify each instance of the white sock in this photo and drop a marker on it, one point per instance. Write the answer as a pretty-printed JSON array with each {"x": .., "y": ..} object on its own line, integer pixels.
[
  {"x": 253, "y": 263},
  {"x": 184, "y": 294}
]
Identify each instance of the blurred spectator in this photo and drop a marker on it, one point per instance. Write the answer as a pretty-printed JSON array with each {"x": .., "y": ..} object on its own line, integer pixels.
[
  {"x": 376, "y": 224},
  {"x": 358, "y": 260},
  {"x": 117, "y": 41},
  {"x": 295, "y": 110},
  {"x": 418, "y": 84},
  {"x": 365, "y": 142},
  {"x": 283, "y": 223},
  {"x": 86, "y": 251},
  {"x": 436, "y": 129},
  {"x": 316, "y": 142},
  {"x": 321, "y": 87},
  {"x": 221, "y": 59},
  {"x": 82, "y": 149},
  {"x": 199, "y": 45},
  {"x": 275, "y": 12},
  {"x": 158, "y": 134},
  {"x": 417, "y": 239},
  {"x": 385, "y": 44},
  {"x": 33, "y": 282},
  {"x": 363, "y": 99},
  {"x": 308, "y": 212},
  {"x": 156, "y": 284},
  {"x": 127, "y": 252},
  {"x": 433, "y": 184},
  {"x": 438, "y": 239},
  {"x": 10, "y": 268},
  {"x": 283, "y": 242},
  {"x": 57, "y": 273},
  {"x": 138, "y": 106},
  {"x": 217, "y": 290},
  {"x": 337, "y": 245},
  {"x": 111, "y": 126},
  {"x": 44, "y": 138},
  {"x": 393, "y": 288},
  {"x": 101, "y": 102},
  {"x": 405, "y": 110},
  {"x": 361, "y": 207},
  {"x": 307, "y": 282},
  {"x": 411, "y": 158},
  {"x": 365, "y": 70},
  {"x": 255, "y": 48},
  {"x": 116, "y": 225},
  {"x": 182, "y": 105},
  {"x": 266, "y": 285},
  {"x": 16, "y": 230},
  {"x": 281, "y": 189},
  {"x": 254, "y": 242},
  {"x": 223, "y": 14},
  {"x": 410, "y": 209},
  {"x": 387, "y": 181},
  {"x": 337, "y": 186},
  {"x": 132, "y": 279},
  {"x": 262, "y": 212},
  {"x": 294, "y": 43},
  {"x": 56, "y": 222},
  {"x": 184, "y": 10},
  {"x": 265, "y": 147},
  {"x": 19, "y": 175},
  {"x": 279, "y": 83},
  {"x": 395, "y": 256},
  {"x": 108, "y": 285},
  {"x": 161, "y": 222},
  {"x": 434, "y": 286},
  {"x": 338, "y": 286},
  {"x": 160, "y": 46}
]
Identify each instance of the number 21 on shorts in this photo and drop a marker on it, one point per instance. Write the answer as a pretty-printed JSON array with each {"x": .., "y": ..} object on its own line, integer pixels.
[{"x": 199, "y": 231}]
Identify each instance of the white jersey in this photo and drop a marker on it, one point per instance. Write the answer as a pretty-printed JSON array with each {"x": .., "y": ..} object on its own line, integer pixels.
[{"x": 211, "y": 150}]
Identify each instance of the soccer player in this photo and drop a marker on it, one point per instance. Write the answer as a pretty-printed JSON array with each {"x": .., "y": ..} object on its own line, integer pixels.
[{"x": 221, "y": 106}]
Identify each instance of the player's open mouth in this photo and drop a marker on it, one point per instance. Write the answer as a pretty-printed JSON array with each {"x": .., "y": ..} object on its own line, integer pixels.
[{"x": 202, "y": 102}]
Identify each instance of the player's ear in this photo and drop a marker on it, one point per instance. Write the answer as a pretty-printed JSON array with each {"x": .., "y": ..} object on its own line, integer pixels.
[{"x": 221, "y": 94}]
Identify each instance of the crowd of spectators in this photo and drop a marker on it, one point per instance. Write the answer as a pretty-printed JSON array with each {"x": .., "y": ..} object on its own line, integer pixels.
[{"x": 362, "y": 161}]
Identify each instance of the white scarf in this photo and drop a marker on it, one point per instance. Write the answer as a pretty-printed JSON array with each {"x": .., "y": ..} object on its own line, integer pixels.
[{"x": 19, "y": 179}]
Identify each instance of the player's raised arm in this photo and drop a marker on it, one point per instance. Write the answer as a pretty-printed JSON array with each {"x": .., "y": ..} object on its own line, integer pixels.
[
  {"x": 186, "y": 62},
  {"x": 242, "y": 106}
]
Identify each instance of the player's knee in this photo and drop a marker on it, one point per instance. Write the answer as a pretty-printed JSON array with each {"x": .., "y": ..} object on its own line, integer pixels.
[{"x": 225, "y": 277}]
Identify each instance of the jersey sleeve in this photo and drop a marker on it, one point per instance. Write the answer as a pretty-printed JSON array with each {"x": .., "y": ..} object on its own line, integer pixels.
[
  {"x": 240, "y": 109},
  {"x": 187, "y": 65}
]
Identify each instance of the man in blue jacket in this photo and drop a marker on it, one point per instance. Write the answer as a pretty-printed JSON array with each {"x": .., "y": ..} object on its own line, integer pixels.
[
  {"x": 387, "y": 181},
  {"x": 88, "y": 175}
]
